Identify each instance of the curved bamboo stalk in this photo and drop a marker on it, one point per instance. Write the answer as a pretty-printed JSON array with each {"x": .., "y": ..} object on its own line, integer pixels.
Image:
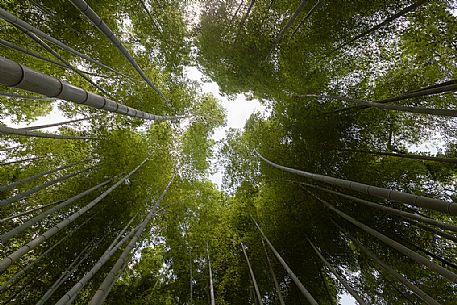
[
  {"x": 25, "y": 97},
  {"x": 273, "y": 275},
  {"x": 7, "y": 261},
  {"x": 251, "y": 272},
  {"x": 210, "y": 270},
  {"x": 104, "y": 288},
  {"x": 73, "y": 292},
  {"x": 24, "y": 25},
  {"x": 54, "y": 124},
  {"x": 421, "y": 294},
  {"x": 403, "y": 155},
  {"x": 392, "y": 243},
  {"x": 6, "y": 236},
  {"x": 29, "y": 192},
  {"x": 22, "y": 132},
  {"x": 388, "y": 20},
  {"x": 66, "y": 273},
  {"x": 82, "y": 6},
  {"x": 42, "y": 174},
  {"x": 18, "y": 76},
  {"x": 292, "y": 275},
  {"x": 339, "y": 277},
  {"x": 44, "y": 254},
  {"x": 390, "y": 210},
  {"x": 419, "y": 201},
  {"x": 45, "y": 59}
]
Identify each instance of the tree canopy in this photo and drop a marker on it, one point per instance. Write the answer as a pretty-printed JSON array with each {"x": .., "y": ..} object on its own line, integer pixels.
[{"x": 347, "y": 185}]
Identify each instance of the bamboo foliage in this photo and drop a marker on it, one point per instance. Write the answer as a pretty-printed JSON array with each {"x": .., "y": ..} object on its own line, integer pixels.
[
  {"x": 105, "y": 287},
  {"x": 7, "y": 261},
  {"x": 273, "y": 275},
  {"x": 354, "y": 294},
  {"x": 19, "y": 76},
  {"x": 6, "y": 236},
  {"x": 31, "y": 191},
  {"x": 82, "y": 6},
  {"x": 390, "y": 242},
  {"x": 297, "y": 282},
  {"x": 406, "y": 198}
]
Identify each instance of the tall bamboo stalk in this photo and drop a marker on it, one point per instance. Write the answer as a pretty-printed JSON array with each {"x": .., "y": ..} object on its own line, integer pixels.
[
  {"x": 26, "y": 97},
  {"x": 21, "y": 132},
  {"x": 392, "y": 243},
  {"x": 390, "y": 210},
  {"x": 7, "y": 261},
  {"x": 419, "y": 201},
  {"x": 210, "y": 271},
  {"x": 71, "y": 294},
  {"x": 8, "y": 235},
  {"x": 273, "y": 275},
  {"x": 54, "y": 124},
  {"x": 33, "y": 177},
  {"x": 18, "y": 76},
  {"x": 24, "y": 25},
  {"x": 251, "y": 272},
  {"x": 28, "y": 211},
  {"x": 306, "y": 17},
  {"x": 105, "y": 287},
  {"x": 82, "y": 6},
  {"x": 20, "y": 161},
  {"x": 40, "y": 187},
  {"x": 354, "y": 294},
  {"x": 292, "y": 275}
]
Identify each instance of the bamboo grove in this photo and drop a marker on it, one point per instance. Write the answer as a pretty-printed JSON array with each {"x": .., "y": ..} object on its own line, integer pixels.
[{"x": 344, "y": 187}]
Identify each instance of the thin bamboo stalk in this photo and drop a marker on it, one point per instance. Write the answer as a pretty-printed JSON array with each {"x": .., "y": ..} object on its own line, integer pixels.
[
  {"x": 35, "y": 134},
  {"x": 55, "y": 124},
  {"x": 251, "y": 272}
]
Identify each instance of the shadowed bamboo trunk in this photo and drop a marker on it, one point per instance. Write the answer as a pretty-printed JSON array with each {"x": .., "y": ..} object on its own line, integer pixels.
[
  {"x": 437, "y": 232},
  {"x": 211, "y": 286},
  {"x": 191, "y": 277},
  {"x": 281, "y": 33},
  {"x": 335, "y": 273},
  {"x": 403, "y": 155},
  {"x": 18, "y": 76},
  {"x": 305, "y": 18},
  {"x": 419, "y": 201},
  {"x": 421, "y": 294},
  {"x": 40, "y": 187},
  {"x": 54, "y": 124},
  {"x": 21, "y": 132},
  {"x": 292, "y": 275},
  {"x": 273, "y": 275},
  {"x": 6, "y": 236},
  {"x": 392, "y": 243},
  {"x": 390, "y": 210},
  {"x": 388, "y": 20},
  {"x": 44, "y": 254},
  {"x": 38, "y": 56},
  {"x": 71, "y": 294},
  {"x": 28, "y": 211},
  {"x": 7, "y": 261},
  {"x": 24, "y": 25},
  {"x": 42, "y": 174},
  {"x": 244, "y": 18},
  {"x": 105, "y": 287},
  {"x": 251, "y": 272},
  {"x": 82, "y": 6},
  {"x": 66, "y": 274}
]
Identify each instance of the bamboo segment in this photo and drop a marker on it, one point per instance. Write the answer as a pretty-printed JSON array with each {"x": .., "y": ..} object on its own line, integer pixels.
[{"x": 16, "y": 75}]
